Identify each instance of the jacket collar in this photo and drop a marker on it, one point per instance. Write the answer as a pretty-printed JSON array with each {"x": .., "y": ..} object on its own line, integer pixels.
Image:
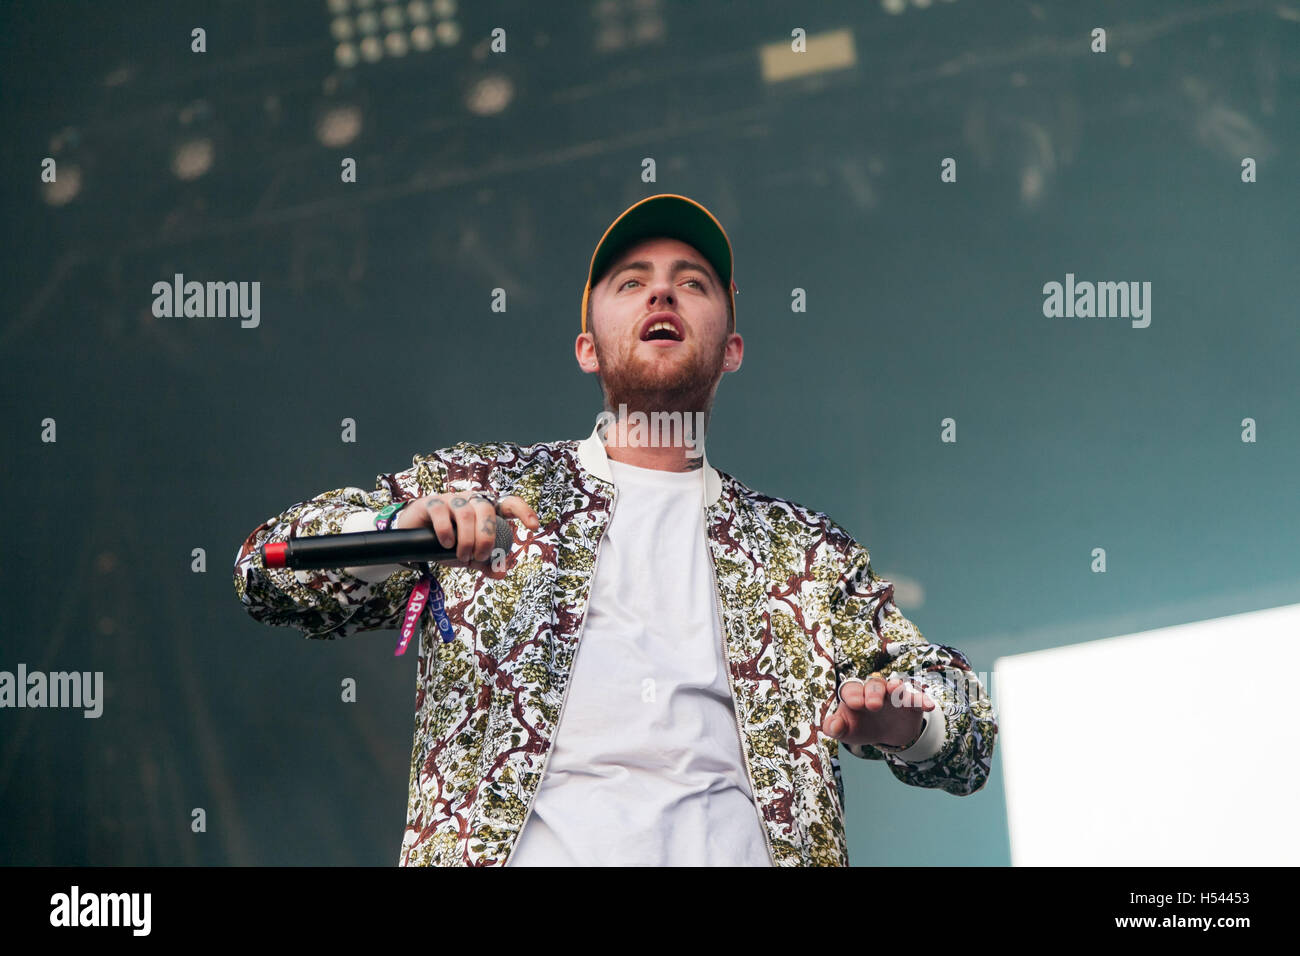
[{"x": 592, "y": 456}]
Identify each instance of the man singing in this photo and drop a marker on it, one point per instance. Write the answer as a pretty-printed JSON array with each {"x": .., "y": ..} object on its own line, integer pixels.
[{"x": 662, "y": 668}]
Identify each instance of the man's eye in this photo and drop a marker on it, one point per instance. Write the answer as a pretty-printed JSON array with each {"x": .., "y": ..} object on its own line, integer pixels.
[{"x": 698, "y": 282}]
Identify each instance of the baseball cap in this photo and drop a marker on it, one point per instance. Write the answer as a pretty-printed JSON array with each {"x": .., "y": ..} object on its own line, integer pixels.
[{"x": 666, "y": 214}]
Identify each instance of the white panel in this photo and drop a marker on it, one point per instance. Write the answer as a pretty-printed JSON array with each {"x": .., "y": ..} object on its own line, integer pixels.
[{"x": 1172, "y": 747}]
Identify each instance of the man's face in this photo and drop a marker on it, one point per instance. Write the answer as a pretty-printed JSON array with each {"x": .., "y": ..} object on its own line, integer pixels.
[{"x": 655, "y": 281}]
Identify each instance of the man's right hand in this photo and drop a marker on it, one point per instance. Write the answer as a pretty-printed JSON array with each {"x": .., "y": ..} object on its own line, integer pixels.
[{"x": 468, "y": 524}]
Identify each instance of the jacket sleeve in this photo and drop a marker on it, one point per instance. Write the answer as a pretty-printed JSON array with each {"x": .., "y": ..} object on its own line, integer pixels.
[
  {"x": 955, "y": 749},
  {"x": 329, "y": 604}
]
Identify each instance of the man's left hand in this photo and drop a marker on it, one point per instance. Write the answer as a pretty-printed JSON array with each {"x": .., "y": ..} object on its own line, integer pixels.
[{"x": 878, "y": 712}]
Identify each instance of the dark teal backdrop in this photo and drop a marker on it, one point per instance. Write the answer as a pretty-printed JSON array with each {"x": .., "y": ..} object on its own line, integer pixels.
[{"x": 924, "y": 302}]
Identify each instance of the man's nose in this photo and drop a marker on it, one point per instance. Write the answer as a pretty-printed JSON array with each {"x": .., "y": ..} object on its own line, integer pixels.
[{"x": 661, "y": 292}]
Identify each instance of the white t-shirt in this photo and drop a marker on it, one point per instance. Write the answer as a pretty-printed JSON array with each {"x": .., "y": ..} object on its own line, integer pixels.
[{"x": 647, "y": 768}]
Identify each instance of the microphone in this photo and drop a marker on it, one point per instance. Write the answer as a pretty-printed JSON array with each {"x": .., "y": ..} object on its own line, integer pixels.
[{"x": 369, "y": 547}]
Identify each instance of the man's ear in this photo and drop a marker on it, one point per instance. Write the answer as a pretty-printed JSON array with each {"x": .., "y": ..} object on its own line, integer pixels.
[
  {"x": 585, "y": 350},
  {"x": 735, "y": 352}
]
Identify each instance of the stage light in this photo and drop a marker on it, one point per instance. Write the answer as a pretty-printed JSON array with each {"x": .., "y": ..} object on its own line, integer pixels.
[
  {"x": 610, "y": 37},
  {"x": 900, "y": 6},
  {"x": 195, "y": 151},
  {"x": 490, "y": 95},
  {"x": 65, "y": 188},
  {"x": 339, "y": 125},
  {"x": 370, "y": 31},
  {"x": 395, "y": 44},
  {"x": 64, "y": 147},
  {"x": 345, "y": 55},
  {"x": 824, "y": 52},
  {"x": 448, "y": 32},
  {"x": 649, "y": 30},
  {"x": 624, "y": 23},
  {"x": 422, "y": 38},
  {"x": 120, "y": 76},
  {"x": 368, "y": 22},
  {"x": 192, "y": 159}
]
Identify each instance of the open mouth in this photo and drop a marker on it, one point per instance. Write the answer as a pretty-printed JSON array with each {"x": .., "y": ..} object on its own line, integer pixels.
[{"x": 664, "y": 327}]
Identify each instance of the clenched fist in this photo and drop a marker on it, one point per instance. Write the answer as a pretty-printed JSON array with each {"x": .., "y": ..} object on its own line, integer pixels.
[{"x": 468, "y": 524}]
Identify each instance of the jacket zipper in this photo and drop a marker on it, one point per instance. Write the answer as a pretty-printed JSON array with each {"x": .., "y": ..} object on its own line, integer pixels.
[
  {"x": 564, "y": 699},
  {"x": 735, "y": 710}
]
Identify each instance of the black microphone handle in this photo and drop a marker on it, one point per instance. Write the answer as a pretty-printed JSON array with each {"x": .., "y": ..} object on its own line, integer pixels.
[{"x": 377, "y": 547}]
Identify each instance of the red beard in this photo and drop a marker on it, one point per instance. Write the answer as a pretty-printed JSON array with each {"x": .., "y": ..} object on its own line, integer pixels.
[{"x": 649, "y": 381}]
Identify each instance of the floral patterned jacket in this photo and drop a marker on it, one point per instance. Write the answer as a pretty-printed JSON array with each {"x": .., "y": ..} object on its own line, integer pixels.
[{"x": 802, "y": 608}]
